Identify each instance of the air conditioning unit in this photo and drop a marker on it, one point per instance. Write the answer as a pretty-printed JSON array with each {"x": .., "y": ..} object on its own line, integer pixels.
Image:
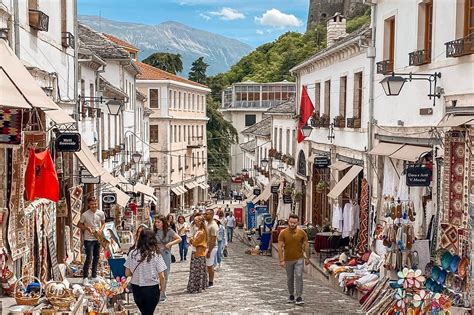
[
  {"x": 68, "y": 40},
  {"x": 38, "y": 20}
]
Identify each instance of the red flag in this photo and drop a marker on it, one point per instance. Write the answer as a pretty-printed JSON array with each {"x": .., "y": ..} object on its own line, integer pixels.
[
  {"x": 41, "y": 180},
  {"x": 306, "y": 110}
]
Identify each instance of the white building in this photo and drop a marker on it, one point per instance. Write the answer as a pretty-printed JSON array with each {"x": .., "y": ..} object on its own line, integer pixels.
[
  {"x": 178, "y": 138},
  {"x": 243, "y": 104},
  {"x": 337, "y": 81}
]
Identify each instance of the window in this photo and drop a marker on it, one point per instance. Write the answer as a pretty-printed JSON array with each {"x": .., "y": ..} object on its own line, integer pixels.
[
  {"x": 184, "y": 133},
  {"x": 287, "y": 141},
  {"x": 342, "y": 96},
  {"x": 179, "y": 163},
  {"x": 428, "y": 26},
  {"x": 63, "y": 4},
  {"x": 175, "y": 133},
  {"x": 198, "y": 159},
  {"x": 154, "y": 134},
  {"x": 179, "y": 100},
  {"x": 190, "y": 105},
  {"x": 280, "y": 139},
  {"x": 327, "y": 98},
  {"x": 317, "y": 96},
  {"x": 469, "y": 20},
  {"x": 153, "y": 97},
  {"x": 389, "y": 42},
  {"x": 275, "y": 137},
  {"x": 250, "y": 120},
  {"x": 154, "y": 165},
  {"x": 185, "y": 100},
  {"x": 133, "y": 55},
  {"x": 174, "y": 100},
  {"x": 179, "y": 133},
  {"x": 357, "y": 105},
  {"x": 203, "y": 103},
  {"x": 91, "y": 102},
  {"x": 293, "y": 136}
]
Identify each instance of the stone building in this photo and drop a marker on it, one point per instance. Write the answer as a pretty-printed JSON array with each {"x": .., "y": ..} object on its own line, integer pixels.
[{"x": 321, "y": 10}]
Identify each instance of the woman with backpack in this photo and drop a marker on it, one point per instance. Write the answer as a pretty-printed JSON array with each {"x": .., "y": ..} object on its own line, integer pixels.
[{"x": 146, "y": 267}]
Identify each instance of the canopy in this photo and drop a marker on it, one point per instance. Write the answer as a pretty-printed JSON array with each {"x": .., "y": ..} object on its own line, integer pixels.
[
  {"x": 410, "y": 153},
  {"x": 339, "y": 166},
  {"x": 109, "y": 179},
  {"x": 122, "y": 198},
  {"x": 345, "y": 181},
  {"x": 385, "y": 148},
  {"x": 455, "y": 121},
  {"x": 147, "y": 190},
  {"x": 191, "y": 185},
  {"x": 89, "y": 161}
]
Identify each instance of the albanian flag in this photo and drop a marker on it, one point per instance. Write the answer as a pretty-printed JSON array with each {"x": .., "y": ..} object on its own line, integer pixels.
[
  {"x": 41, "y": 180},
  {"x": 306, "y": 110}
]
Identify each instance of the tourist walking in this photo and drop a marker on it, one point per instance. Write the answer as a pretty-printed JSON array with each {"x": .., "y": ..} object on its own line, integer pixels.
[
  {"x": 293, "y": 253},
  {"x": 221, "y": 243},
  {"x": 197, "y": 270},
  {"x": 171, "y": 223},
  {"x": 183, "y": 229},
  {"x": 91, "y": 223},
  {"x": 146, "y": 267},
  {"x": 230, "y": 225},
  {"x": 211, "y": 230},
  {"x": 166, "y": 239},
  {"x": 140, "y": 229}
]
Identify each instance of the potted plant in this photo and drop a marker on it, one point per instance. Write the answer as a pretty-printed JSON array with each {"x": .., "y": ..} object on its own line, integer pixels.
[
  {"x": 324, "y": 120},
  {"x": 272, "y": 152},
  {"x": 340, "y": 121},
  {"x": 316, "y": 119},
  {"x": 291, "y": 161},
  {"x": 322, "y": 185},
  {"x": 297, "y": 195}
]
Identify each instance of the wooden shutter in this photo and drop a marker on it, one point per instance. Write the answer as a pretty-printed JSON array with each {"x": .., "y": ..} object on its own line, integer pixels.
[
  {"x": 357, "y": 103},
  {"x": 342, "y": 96},
  {"x": 327, "y": 98}
]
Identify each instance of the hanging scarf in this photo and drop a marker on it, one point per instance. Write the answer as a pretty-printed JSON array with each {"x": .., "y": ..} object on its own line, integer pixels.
[{"x": 41, "y": 180}]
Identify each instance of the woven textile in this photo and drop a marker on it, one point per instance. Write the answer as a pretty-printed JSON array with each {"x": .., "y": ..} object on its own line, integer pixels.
[
  {"x": 10, "y": 127},
  {"x": 363, "y": 218},
  {"x": 75, "y": 197}
]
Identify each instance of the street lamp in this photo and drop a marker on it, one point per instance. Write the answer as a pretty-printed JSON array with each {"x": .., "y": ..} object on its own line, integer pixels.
[
  {"x": 114, "y": 106},
  {"x": 306, "y": 130},
  {"x": 264, "y": 163},
  {"x": 136, "y": 157},
  {"x": 392, "y": 85}
]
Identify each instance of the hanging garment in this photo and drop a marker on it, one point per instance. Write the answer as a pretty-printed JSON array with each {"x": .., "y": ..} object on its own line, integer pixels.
[
  {"x": 337, "y": 218},
  {"x": 348, "y": 223},
  {"x": 41, "y": 180}
]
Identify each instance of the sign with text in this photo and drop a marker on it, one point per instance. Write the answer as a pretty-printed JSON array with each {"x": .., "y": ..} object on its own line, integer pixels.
[
  {"x": 68, "y": 142},
  {"x": 238, "y": 197},
  {"x": 287, "y": 199},
  {"x": 257, "y": 191},
  {"x": 275, "y": 189},
  {"x": 238, "y": 214},
  {"x": 87, "y": 178},
  {"x": 321, "y": 162},
  {"x": 109, "y": 198},
  {"x": 418, "y": 176},
  {"x": 251, "y": 218}
]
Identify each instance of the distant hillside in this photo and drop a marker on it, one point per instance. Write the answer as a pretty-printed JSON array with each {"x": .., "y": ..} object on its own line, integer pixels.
[{"x": 218, "y": 51}]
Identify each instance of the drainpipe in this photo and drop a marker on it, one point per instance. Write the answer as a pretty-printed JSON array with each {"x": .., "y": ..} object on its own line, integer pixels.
[{"x": 16, "y": 27}]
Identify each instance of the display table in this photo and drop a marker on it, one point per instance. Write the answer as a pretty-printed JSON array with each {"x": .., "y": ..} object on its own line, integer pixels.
[{"x": 321, "y": 240}]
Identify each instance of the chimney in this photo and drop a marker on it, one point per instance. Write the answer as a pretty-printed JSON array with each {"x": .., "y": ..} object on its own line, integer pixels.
[{"x": 336, "y": 28}]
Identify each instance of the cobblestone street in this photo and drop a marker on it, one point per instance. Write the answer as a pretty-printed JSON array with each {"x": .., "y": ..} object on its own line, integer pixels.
[{"x": 251, "y": 284}]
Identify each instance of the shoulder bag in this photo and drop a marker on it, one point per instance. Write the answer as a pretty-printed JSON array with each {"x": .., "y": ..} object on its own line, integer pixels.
[{"x": 173, "y": 258}]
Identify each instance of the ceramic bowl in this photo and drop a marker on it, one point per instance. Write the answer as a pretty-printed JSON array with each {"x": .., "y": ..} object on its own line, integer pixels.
[
  {"x": 453, "y": 267},
  {"x": 435, "y": 273},
  {"x": 446, "y": 259},
  {"x": 439, "y": 253},
  {"x": 463, "y": 266},
  {"x": 442, "y": 276}
]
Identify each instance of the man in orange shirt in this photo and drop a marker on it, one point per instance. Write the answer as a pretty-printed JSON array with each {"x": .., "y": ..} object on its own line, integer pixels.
[{"x": 292, "y": 247}]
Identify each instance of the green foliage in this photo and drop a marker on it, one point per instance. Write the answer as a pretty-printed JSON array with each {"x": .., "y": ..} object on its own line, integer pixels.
[
  {"x": 168, "y": 62},
  {"x": 357, "y": 22},
  {"x": 198, "y": 71}
]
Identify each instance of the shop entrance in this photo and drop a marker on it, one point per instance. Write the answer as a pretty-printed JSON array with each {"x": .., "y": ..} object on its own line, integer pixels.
[{"x": 320, "y": 210}]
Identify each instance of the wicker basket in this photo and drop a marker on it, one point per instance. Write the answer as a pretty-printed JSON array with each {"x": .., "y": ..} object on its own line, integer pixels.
[
  {"x": 26, "y": 300},
  {"x": 63, "y": 301},
  {"x": 62, "y": 304}
]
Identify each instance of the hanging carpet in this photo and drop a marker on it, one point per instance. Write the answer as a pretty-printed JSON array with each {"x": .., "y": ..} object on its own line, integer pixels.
[
  {"x": 75, "y": 197},
  {"x": 10, "y": 127},
  {"x": 363, "y": 241}
]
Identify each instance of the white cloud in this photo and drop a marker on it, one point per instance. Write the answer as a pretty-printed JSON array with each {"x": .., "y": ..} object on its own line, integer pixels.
[
  {"x": 205, "y": 17},
  {"x": 228, "y": 14},
  {"x": 277, "y": 18},
  {"x": 260, "y": 32}
]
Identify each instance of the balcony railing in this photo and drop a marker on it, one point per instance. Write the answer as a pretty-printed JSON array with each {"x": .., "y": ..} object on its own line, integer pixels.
[
  {"x": 195, "y": 143},
  {"x": 385, "y": 66},
  {"x": 460, "y": 47},
  {"x": 254, "y": 104},
  {"x": 419, "y": 57}
]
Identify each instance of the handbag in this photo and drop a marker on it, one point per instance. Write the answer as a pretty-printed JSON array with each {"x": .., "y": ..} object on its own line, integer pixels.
[
  {"x": 173, "y": 259},
  {"x": 225, "y": 252}
]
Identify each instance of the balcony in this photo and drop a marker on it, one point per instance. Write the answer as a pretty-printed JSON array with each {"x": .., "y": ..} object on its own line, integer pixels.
[
  {"x": 385, "y": 67},
  {"x": 354, "y": 122},
  {"x": 419, "y": 57},
  {"x": 38, "y": 20},
  {"x": 460, "y": 47},
  {"x": 195, "y": 143}
]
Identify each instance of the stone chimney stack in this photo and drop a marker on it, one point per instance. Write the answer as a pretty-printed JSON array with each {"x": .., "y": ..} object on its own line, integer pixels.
[{"x": 336, "y": 28}]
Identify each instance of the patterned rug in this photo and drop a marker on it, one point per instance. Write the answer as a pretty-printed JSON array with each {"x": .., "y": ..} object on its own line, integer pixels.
[
  {"x": 363, "y": 218},
  {"x": 75, "y": 198},
  {"x": 10, "y": 127}
]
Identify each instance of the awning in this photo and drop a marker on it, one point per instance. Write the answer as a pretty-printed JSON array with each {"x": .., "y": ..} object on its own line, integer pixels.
[
  {"x": 267, "y": 192},
  {"x": 183, "y": 189},
  {"x": 410, "y": 153},
  {"x": 203, "y": 185},
  {"x": 59, "y": 116},
  {"x": 23, "y": 81},
  {"x": 340, "y": 166},
  {"x": 122, "y": 198},
  {"x": 191, "y": 185},
  {"x": 345, "y": 181},
  {"x": 109, "y": 179},
  {"x": 13, "y": 97},
  {"x": 176, "y": 191},
  {"x": 89, "y": 161},
  {"x": 385, "y": 148},
  {"x": 147, "y": 190},
  {"x": 455, "y": 121}
]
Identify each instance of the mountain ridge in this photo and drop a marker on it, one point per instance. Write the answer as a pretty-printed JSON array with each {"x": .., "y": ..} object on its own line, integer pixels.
[{"x": 219, "y": 52}]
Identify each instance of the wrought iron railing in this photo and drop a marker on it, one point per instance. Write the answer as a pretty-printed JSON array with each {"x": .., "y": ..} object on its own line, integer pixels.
[
  {"x": 460, "y": 47},
  {"x": 385, "y": 66},
  {"x": 419, "y": 57}
]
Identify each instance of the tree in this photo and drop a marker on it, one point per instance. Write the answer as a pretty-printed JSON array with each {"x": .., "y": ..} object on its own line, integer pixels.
[
  {"x": 168, "y": 62},
  {"x": 198, "y": 71}
]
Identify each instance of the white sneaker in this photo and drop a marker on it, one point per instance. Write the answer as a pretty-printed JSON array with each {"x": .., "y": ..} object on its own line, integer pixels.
[
  {"x": 95, "y": 279},
  {"x": 85, "y": 281}
]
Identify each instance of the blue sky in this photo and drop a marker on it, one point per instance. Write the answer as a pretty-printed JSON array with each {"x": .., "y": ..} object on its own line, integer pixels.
[{"x": 254, "y": 22}]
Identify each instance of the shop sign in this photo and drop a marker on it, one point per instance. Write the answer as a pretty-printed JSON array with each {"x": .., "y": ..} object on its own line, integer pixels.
[
  {"x": 321, "y": 162},
  {"x": 86, "y": 178},
  {"x": 257, "y": 191},
  {"x": 251, "y": 218},
  {"x": 418, "y": 176},
  {"x": 109, "y": 198},
  {"x": 238, "y": 197},
  {"x": 68, "y": 142},
  {"x": 275, "y": 189},
  {"x": 238, "y": 215},
  {"x": 287, "y": 199}
]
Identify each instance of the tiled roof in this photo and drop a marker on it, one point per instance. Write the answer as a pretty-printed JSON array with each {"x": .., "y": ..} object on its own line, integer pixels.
[
  {"x": 285, "y": 108},
  {"x": 106, "y": 85},
  {"x": 101, "y": 45},
  {"x": 262, "y": 128},
  {"x": 151, "y": 73},
  {"x": 141, "y": 96},
  {"x": 120, "y": 42},
  {"x": 249, "y": 146}
]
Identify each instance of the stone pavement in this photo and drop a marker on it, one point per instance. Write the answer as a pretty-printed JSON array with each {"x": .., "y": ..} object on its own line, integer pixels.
[{"x": 250, "y": 284}]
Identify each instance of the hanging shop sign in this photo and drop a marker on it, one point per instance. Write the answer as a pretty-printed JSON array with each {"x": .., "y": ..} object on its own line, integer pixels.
[
  {"x": 87, "y": 178},
  {"x": 238, "y": 197},
  {"x": 418, "y": 176},
  {"x": 68, "y": 142},
  {"x": 321, "y": 162},
  {"x": 109, "y": 198},
  {"x": 275, "y": 189},
  {"x": 257, "y": 191},
  {"x": 287, "y": 199}
]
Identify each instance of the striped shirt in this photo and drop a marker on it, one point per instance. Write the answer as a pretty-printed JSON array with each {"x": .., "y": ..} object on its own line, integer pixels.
[{"x": 147, "y": 272}]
